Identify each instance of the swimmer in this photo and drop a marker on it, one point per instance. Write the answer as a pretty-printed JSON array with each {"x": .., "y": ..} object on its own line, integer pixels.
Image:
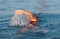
[{"x": 32, "y": 19}]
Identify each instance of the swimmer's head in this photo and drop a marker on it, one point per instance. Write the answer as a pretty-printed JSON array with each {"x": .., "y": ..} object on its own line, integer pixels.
[{"x": 17, "y": 12}]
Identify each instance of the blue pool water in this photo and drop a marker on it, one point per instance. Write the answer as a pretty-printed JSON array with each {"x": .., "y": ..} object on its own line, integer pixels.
[{"x": 49, "y": 21}]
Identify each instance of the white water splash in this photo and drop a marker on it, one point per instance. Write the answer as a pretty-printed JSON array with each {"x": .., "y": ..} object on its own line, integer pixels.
[{"x": 20, "y": 20}]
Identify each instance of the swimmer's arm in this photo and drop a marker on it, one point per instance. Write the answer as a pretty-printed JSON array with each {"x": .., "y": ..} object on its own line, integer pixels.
[
  {"x": 29, "y": 13},
  {"x": 22, "y": 31}
]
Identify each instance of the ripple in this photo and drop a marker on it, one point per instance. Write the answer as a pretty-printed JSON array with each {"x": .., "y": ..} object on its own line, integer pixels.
[{"x": 55, "y": 38}]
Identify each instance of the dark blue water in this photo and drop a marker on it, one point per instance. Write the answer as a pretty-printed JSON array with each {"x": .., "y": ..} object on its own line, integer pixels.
[{"x": 45, "y": 21}]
